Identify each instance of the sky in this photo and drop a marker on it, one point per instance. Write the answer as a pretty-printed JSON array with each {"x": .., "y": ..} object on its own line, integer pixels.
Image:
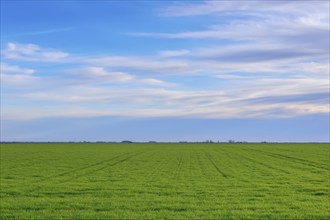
[{"x": 165, "y": 71}]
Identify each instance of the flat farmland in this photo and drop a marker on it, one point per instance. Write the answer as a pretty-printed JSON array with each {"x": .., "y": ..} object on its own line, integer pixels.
[{"x": 164, "y": 181}]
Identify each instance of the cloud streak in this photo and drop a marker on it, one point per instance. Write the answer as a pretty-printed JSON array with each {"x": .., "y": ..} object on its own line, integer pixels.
[
  {"x": 5, "y": 69},
  {"x": 32, "y": 53},
  {"x": 42, "y": 32},
  {"x": 218, "y": 8}
]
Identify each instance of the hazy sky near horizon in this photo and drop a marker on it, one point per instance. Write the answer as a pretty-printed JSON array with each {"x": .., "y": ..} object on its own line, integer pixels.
[{"x": 165, "y": 70}]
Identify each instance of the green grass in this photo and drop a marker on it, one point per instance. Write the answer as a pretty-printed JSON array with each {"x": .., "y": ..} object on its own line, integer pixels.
[{"x": 165, "y": 181}]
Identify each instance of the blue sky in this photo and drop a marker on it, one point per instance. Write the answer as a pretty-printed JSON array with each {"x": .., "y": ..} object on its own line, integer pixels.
[{"x": 165, "y": 70}]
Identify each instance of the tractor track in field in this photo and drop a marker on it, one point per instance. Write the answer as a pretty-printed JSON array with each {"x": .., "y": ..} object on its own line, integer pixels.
[
  {"x": 156, "y": 169},
  {"x": 215, "y": 166},
  {"x": 103, "y": 167},
  {"x": 148, "y": 173},
  {"x": 178, "y": 169},
  {"x": 293, "y": 159},
  {"x": 161, "y": 164},
  {"x": 261, "y": 163},
  {"x": 200, "y": 164},
  {"x": 265, "y": 165},
  {"x": 80, "y": 168},
  {"x": 84, "y": 168}
]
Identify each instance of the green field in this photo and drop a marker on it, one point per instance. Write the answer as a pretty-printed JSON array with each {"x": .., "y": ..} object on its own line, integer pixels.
[{"x": 165, "y": 181}]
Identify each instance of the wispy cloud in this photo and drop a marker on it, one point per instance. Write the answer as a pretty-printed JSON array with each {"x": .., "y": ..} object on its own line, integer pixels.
[
  {"x": 15, "y": 75},
  {"x": 157, "y": 82},
  {"x": 41, "y": 32},
  {"x": 245, "y": 99},
  {"x": 253, "y": 8},
  {"x": 32, "y": 52},
  {"x": 173, "y": 53},
  {"x": 101, "y": 74},
  {"x": 12, "y": 69},
  {"x": 153, "y": 64}
]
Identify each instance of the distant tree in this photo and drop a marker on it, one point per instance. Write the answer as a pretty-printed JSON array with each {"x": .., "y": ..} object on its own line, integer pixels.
[{"x": 126, "y": 141}]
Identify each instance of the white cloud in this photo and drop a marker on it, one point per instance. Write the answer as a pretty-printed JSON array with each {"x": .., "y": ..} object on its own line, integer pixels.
[
  {"x": 315, "y": 20},
  {"x": 165, "y": 66},
  {"x": 220, "y": 8},
  {"x": 266, "y": 37},
  {"x": 32, "y": 52},
  {"x": 15, "y": 75},
  {"x": 99, "y": 73},
  {"x": 173, "y": 53},
  {"x": 298, "y": 80},
  {"x": 283, "y": 31},
  {"x": 8, "y": 80},
  {"x": 243, "y": 99},
  {"x": 157, "y": 82},
  {"x": 153, "y": 81},
  {"x": 5, "y": 68}
]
